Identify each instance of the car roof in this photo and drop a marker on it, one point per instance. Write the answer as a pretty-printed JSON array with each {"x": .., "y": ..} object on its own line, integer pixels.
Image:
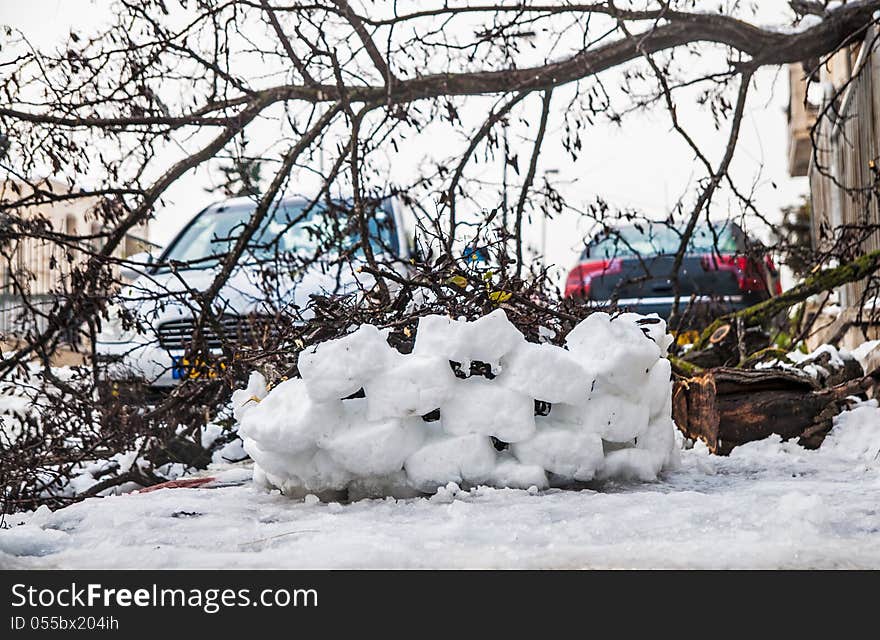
[
  {"x": 248, "y": 201},
  {"x": 665, "y": 224}
]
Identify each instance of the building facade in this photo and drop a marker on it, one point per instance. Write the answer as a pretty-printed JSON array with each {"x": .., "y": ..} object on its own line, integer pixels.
[{"x": 38, "y": 271}]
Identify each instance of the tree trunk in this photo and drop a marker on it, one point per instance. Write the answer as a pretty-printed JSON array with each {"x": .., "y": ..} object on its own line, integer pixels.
[{"x": 728, "y": 407}]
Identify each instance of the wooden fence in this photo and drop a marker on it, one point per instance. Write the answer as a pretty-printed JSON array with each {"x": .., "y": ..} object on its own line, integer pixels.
[{"x": 844, "y": 168}]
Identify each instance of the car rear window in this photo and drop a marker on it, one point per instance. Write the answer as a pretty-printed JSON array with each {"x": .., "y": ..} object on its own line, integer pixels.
[{"x": 660, "y": 239}]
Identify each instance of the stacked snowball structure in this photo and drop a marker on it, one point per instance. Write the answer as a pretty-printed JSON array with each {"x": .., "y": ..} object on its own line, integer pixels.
[{"x": 608, "y": 390}]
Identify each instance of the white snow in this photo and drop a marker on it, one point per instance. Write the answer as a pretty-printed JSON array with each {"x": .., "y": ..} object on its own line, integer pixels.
[
  {"x": 618, "y": 351},
  {"x": 338, "y": 368},
  {"x": 562, "y": 449},
  {"x": 411, "y": 386},
  {"x": 771, "y": 504},
  {"x": 484, "y": 406},
  {"x": 867, "y": 355},
  {"x": 856, "y": 434},
  {"x": 288, "y": 420},
  {"x": 833, "y": 353},
  {"x": 486, "y": 339},
  {"x": 611, "y": 384},
  {"x": 444, "y": 459},
  {"x": 547, "y": 371},
  {"x": 375, "y": 448},
  {"x": 245, "y": 399}
]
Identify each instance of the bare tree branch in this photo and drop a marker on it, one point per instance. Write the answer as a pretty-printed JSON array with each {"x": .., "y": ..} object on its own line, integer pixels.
[{"x": 530, "y": 177}]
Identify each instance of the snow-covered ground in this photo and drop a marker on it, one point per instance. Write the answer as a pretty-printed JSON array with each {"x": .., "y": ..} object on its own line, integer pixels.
[{"x": 769, "y": 505}]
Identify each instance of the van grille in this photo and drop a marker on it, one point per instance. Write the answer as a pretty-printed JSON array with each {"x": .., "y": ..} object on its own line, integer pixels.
[{"x": 178, "y": 334}]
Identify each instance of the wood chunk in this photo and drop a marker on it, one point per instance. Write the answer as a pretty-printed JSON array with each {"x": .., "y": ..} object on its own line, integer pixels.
[{"x": 726, "y": 407}]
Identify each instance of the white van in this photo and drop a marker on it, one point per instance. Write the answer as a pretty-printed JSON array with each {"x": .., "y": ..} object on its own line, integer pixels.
[{"x": 162, "y": 297}]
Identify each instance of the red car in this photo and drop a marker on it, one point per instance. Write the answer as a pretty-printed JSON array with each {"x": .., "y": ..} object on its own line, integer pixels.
[{"x": 631, "y": 267}]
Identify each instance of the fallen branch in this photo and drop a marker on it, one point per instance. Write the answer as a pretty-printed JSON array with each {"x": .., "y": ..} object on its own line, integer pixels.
[
  {"x": 824, "y": 280},
  {"x": 727, "y": 407},
  {"x": 684, "y": 368}
]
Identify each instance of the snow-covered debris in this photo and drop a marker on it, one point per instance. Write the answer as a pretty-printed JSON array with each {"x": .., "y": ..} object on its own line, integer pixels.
[
  {"x": 868, "y": 355},
  {"x": 834, "y": 356},
  {"x": 828, "y": 365},
  {"x": 609, "y": 392}
]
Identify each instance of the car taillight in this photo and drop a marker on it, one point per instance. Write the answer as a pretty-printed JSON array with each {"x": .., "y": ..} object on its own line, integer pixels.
[
  {"x": 774, "y": 274},
  {"x": 749, "y": 276},
  {"x": 581, "y": 277}
]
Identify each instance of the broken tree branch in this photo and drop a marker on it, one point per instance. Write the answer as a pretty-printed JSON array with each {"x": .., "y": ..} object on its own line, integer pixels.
[{"x": 824, "y": 280}]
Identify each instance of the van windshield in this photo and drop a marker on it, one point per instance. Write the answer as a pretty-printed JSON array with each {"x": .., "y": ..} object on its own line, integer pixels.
[
  {"x": 294, "y": 227},
  {"x": 653, "y": 239}
]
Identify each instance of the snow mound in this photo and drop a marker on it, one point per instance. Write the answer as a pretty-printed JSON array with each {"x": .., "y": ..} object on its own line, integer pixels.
[
  {"x": 856, "y": 434},
  {"x": 608, "y": 392}
]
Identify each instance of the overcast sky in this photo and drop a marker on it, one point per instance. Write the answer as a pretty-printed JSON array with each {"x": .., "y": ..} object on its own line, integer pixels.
[{"x": 642, "y": 164}]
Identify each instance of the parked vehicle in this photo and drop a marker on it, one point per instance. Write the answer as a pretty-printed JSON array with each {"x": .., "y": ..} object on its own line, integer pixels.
[
  {"x": 632, "y": 267},
  {"x": 162, "y": 297}
]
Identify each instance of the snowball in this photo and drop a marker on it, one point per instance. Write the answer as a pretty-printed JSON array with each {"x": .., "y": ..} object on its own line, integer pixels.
[
  {"x": 483, "y": 406},
  {"x": 616, "y": 418},
  {"x": 375, "y": 448},
  {"x": 510, "y": 472},
  {"x": 659, "y": 386},
  {"x": 446, "y": 459},
  {"x": 486, "y": 339},
  {"x": 411, "y": 385},
  {"x": 651, "y": 325},
  {"x": 632, "y": 464},
  {"x": 289, "y": 421},
  {"x": 311, "y": 470},
  {"x": 245, "y": 399},
  {"x": 446, "y": 494},
  {"x": 659, "y": 438},
  {"x": 610, "y": 416},
  {"x": 618, "y": 351},
  {"x": 546, "y": 372},
  {"x": 561, "y": 449},
  {"x": 338, "y": 368},
  {"x": 438, "y": 335},
  {"x": 491, "y": 337}
]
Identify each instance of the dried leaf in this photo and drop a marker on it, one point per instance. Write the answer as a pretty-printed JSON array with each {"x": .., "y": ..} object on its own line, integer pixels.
[{"x": 458, "y": 281}]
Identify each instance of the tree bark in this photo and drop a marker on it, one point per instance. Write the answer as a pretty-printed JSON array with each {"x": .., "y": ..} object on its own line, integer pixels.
[{"x": 728, "y": 407}]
